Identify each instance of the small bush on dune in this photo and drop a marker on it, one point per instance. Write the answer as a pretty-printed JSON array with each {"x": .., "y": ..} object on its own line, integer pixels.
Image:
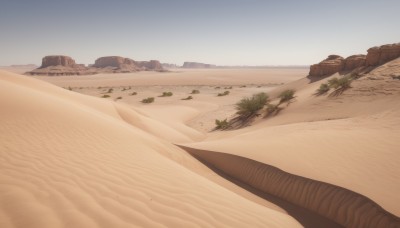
[
  {"x": 148, "y": 100},
  {"x": 166, "y": 94},
  {"x": 195, "y": 91},
  {"x": 133, "y": 94},
  {"x": 221, "y": 124},
  {"x": 286, "y": 95},
  {"x": 118, "y": 98},
  {"x": 342, "y": 83},
  {"x": 271, "y": 109},
  {"x": 323, "y": 88},
  {"x": 105, "y": 96},
  {"x": 110, "y": 90},
  {"x": 250, "y": 106},
  {"x": 223, "y": 94},
  {"x": 188, "y": 98}
]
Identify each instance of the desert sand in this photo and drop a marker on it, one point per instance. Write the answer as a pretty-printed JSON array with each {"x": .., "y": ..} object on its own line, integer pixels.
[{"x": 74, "y": 159}]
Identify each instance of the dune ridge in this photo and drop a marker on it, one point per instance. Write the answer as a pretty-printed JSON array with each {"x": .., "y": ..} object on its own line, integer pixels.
[{"x": 341, "y": 205}]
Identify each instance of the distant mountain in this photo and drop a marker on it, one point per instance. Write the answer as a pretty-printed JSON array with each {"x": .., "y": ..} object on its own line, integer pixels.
[{"x": 197, "y": 65}]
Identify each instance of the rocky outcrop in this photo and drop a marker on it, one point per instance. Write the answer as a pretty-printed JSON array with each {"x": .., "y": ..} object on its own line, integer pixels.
[
  {"x": 380, "y": 55},
  {"x": 64, "y": 65},
  {"x": 354, "y": 61},
  {"x": 57, "y": 60},
  {"x": 330, "y": 65},
  {"x": 154, "y": 65},
  {"x": 376, "y": 56},
  {"x": 58, "y": 65},
  {"x": 197, "y": 65}
]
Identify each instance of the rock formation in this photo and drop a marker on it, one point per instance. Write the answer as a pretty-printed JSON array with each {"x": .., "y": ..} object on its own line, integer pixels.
[
  {"x": 60, "y": 65},
  {"x": 354, "y": 61},
  {"x": 380, "y": 55},
  {"x": 330, "y": 65},
  {"x": 376, "y": 56},
  {"x": 64, "y": 65},
  {"x": 197, "y": 65},
  {"x": 57, "y": 60}
]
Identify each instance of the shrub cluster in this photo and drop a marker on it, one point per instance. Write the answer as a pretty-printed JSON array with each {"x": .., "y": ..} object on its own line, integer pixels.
[
  {"x": 286, "y": 95},
  {"x": 223, "y": 94},
  {"x": 148, "y": 100},
  {"x": 195, "y": 91},
  {"x": 166, "y": 94},
  {"x": 250, "y": 105},
  {"x": 222, "y": 124}
]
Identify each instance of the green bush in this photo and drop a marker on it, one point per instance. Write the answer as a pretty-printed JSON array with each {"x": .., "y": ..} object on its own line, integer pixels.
[
  {"x": 286, "y": 95},
  {"x": 223, "y": 94},
  {"x": 195, "y": 91},
  {"x": 188, "y": 98},
  {"x": 221, "y": 124},
  {"x": 249, "y": 106},
  {"x": 323, "y": 88},
  {"x": 148, "y": 100},
  {"x": 340, "y": 83},
  {"x": 166, "y": 94},
  {"x": 105, "y": 96},
  {"x": 133, "y": 94}
]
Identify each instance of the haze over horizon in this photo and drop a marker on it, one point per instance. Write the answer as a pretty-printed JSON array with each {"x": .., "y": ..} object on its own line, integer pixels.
[{"x": 220, "y": 32}]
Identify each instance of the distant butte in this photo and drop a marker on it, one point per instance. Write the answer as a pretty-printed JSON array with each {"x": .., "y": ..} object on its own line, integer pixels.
[{"x": 58, "y": 65}]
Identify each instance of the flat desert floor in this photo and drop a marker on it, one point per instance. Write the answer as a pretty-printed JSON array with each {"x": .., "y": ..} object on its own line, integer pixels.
[{"x": 84, "y": 151}]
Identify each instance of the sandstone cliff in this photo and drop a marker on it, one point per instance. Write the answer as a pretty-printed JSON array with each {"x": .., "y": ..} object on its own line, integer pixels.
[{"x": 376, "y": 56}]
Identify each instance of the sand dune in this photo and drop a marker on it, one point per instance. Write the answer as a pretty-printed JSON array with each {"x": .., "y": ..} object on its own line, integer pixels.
[
  {"x": 68, "y": 160},
  {"x": 350, "y": 141}
]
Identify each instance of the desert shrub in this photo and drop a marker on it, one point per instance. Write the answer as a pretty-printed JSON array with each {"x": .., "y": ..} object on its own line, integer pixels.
[
  {"x": 221, "y": 124},
  {"x": 223, "y": 94},
  {"x": 148, "y": 100},
  {"x": 110, "y": 90},
  {"x": 340, "y": 83},
  {"x": 105, "y": 96},
  {"x": 323, "y": 88},
  {"x": 286, "y": 95},
  {"x": 243, "y": 86},
  {"x": 118, "y": 98},
  {"x": 70, "y": 88},
  {"x": 251, "y": 105},
  {"x": 166, "y": 94},
  {"x": 133, "y": 94},
  {"x": 217, "y": 87},
  {"x": 188, "y": 98},
  {"x": 195, "y": 91}
]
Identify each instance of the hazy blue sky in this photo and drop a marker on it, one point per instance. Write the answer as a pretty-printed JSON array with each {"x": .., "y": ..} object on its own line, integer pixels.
[{"x": 224, "y": 32}]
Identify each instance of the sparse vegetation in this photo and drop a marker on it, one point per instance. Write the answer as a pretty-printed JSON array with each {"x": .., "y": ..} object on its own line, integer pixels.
[
  {"x": 217, "y": 87},
  {"x": 148, "y": 100},
  {"x": 340, "y": 83},
  {"x": 223, "y": 94},
  {"x": 286, "y": 95},
  {"x": 166, "y": 94},
  {"x": 188, "y": 98},
  {"x": 250, "y": 106},
  {"x": 323, "y": 88},
  {"x": 195, "y": 91},
  {"x": 221, "y": 124},
  {"x": 243, "y": 86},
  {"x": 230, "y": 87},
  {"x": 118, "y": 98},
  {"x": 133, "y": 94},
  {"x": 110, "y": 90},
  {"x": 105, "y": 96},
  {"x": 69, "y": 88}
]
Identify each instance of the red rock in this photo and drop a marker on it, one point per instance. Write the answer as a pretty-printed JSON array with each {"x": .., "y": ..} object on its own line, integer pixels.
[
  {"x": 57, "y": 60},
  {"x": 354, "y": 61},
  {"x": 331, "y": 65}
]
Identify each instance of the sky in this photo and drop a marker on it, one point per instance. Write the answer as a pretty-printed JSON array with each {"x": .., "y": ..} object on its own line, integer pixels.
[{"x": 222, "y": 32}]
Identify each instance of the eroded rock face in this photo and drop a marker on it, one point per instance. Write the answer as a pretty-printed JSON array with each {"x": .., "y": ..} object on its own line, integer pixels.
[
  {"x": 57, "y": 60},
  {"x": 150, "y": 65},
  {"x": 380, "y": 55},
  {"x": 354, "y": 61},
  {"x": 331, "y": 65},
  {"x": 113, "y": 61}
]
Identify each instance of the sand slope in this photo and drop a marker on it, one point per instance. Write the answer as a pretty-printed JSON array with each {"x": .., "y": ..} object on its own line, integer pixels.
[
  {"x": 67, "y": 160},
  {"x": 351, "y": 141}
]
